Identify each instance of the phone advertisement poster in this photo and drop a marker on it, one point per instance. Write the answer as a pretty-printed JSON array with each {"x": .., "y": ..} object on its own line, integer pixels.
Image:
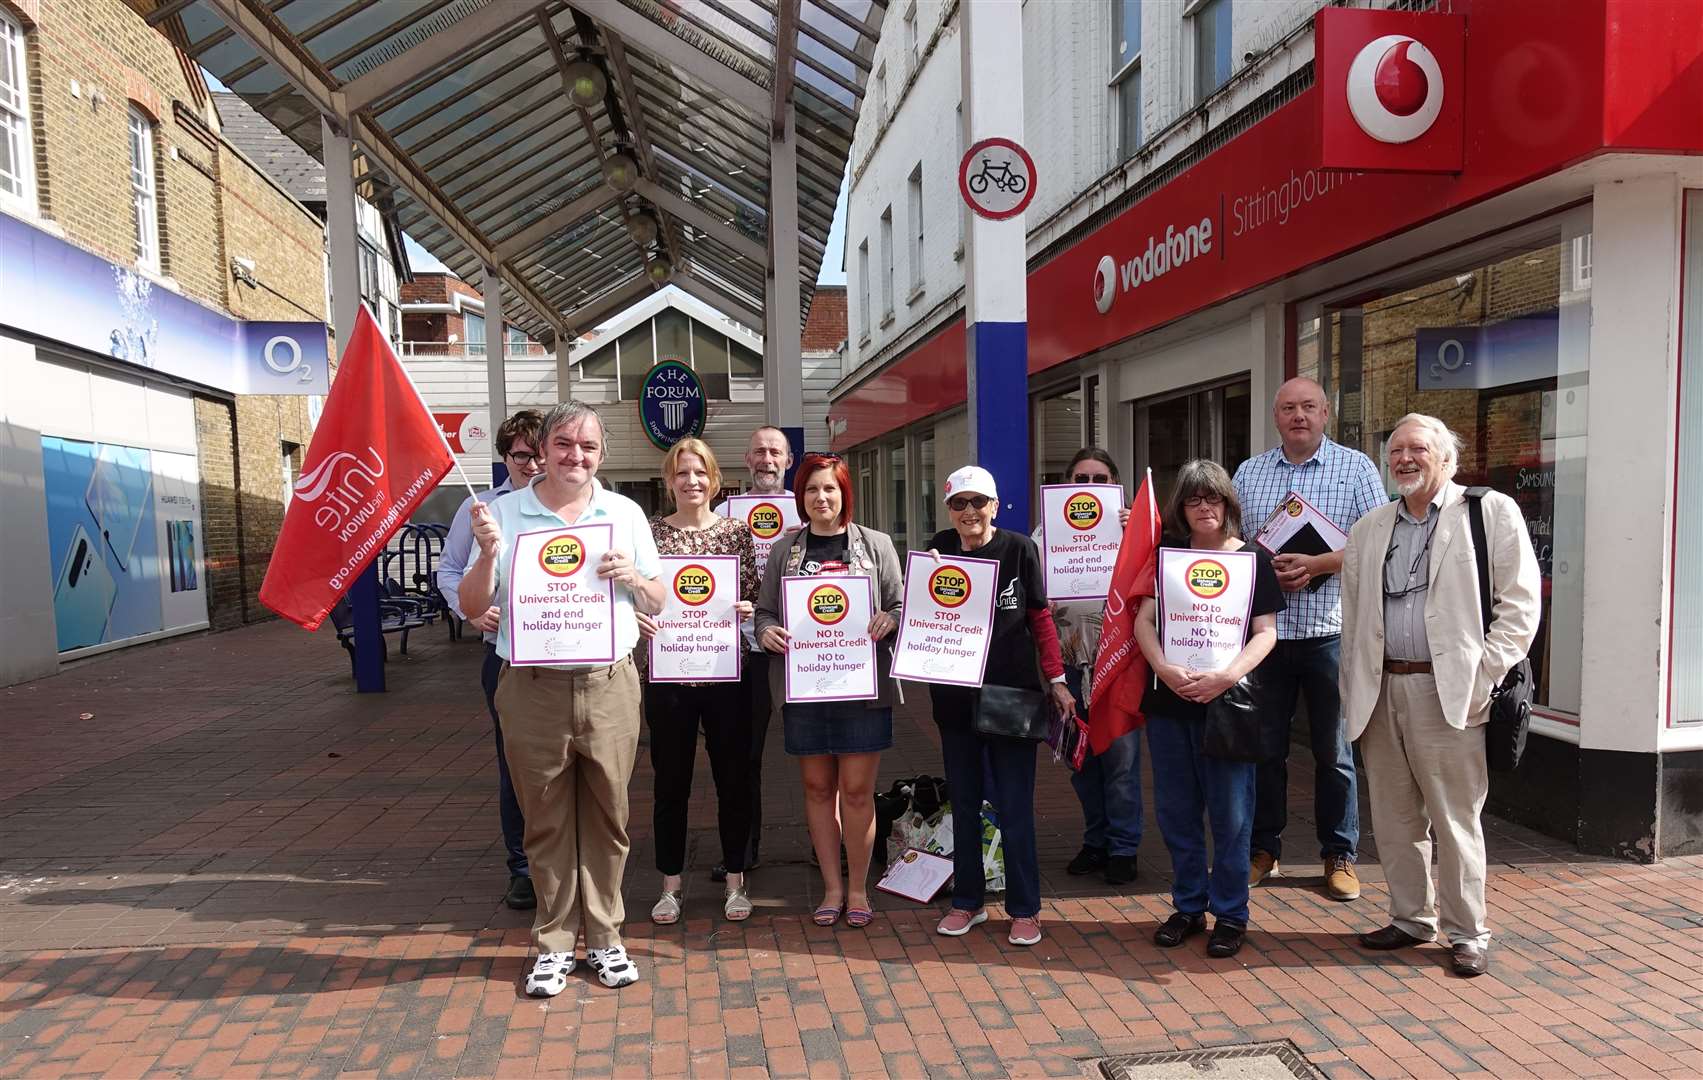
[
  {"x": 559, "y": 610},
  {"x": 1204, "y": 601},
  {"x": 1080, "y": 535},
  {"x": 767, "y": 516},
  {"x": 124, "y": 530},
  {"x": 948, "y": 618},
  {"x": 830, "y": 655},
  {"x": 697, "y": 637}
]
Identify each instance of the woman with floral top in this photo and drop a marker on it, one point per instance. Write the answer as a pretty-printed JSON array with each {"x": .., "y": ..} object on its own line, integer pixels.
[
  {"x": 676, "y": 711},
  {"x": 838, "y": 744}
]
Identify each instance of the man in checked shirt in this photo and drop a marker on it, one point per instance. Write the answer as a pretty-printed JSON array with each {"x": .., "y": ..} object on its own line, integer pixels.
[{"x": 1342, "y": 484}]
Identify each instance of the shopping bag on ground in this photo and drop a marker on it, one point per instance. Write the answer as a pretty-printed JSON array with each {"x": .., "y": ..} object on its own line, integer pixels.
[{"x": 993, "y": 853}]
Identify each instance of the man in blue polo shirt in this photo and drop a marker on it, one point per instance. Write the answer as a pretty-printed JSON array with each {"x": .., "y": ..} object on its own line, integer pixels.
[
  {"x": 571, "y": 731},
  {"x": 1342, "y": 484}
]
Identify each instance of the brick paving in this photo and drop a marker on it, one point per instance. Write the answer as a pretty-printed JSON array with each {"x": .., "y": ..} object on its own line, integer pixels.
[{"x": 217, "y": 860}]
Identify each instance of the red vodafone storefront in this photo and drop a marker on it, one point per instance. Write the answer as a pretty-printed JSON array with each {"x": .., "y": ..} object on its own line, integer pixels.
[{"x": 1536, "y": 299}]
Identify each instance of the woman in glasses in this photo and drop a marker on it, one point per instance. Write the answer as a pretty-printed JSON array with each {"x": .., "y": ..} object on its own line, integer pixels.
[
  {"x": 1109, "y": 783},
  {"x": 1203, "y": 513},
  {"x": 1023, "y": 644},
  {"x": 676, "y": 711},
  {"x": 838, "y": 744}
]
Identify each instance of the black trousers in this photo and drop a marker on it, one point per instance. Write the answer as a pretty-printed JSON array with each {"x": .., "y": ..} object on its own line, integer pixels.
[
  {"x": 675, "y": 714},
  {"x": 761, "y": 705}
]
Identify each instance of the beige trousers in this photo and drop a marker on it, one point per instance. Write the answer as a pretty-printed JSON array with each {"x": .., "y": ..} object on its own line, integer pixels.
[
  {"x": 570, "y": 738},
  {"x": 1425, "y": 777}
]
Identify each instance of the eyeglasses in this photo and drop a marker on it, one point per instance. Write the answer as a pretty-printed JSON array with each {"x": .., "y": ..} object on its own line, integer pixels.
[
  {"x": 1203, "y": 500},
  {"x": 524, "y": 460},
  {"x": 1085, "y": 478},
  {"x": 959, "y": 503}
]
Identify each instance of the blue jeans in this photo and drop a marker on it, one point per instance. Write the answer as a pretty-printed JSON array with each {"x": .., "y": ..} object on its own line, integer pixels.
[
  {"x": 1187, "y": 785},
  {"x": 514, "y": 825},
  {"x": 1011, "y": 763},
  {"x": 1109, "y": 787},
  {"x": 1307, "y": 666}
]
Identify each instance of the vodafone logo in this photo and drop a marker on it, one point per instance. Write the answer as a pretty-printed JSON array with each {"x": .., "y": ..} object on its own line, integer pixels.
[
  {"x": 1395, "y": 88},
  {"x": 1105, "y": 283}
]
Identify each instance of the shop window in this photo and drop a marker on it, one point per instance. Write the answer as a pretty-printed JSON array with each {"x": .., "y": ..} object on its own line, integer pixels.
[
  {"x": 17, "y": 151},
  {"x": 144, "y": 200},
  {"x": 896, "y": 525},
  {"x": 474, "y": 325},
  {"x": 1685, "y": 674},
  {"x": 1211, "y": 23},
  {"x": 928, "y": 496},
  {"x": 1126, "y": 74},
  {"x": 1498, "y": 347},
  {"x": 1056, "y": 421},
  {"x": 1211, "y": 422},
  {"x": 368, "y": 264}
]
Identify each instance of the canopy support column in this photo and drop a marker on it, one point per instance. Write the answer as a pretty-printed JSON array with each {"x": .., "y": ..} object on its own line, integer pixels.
[
  {"x": 496, "y": 367},
  {"x": 345, "y": 245},
  {"x": 783, "y": 370},
  {"x": 996, "y": 265}
]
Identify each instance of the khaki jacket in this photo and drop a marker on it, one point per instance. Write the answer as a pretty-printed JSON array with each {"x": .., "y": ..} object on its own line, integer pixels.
[{"x": 1466, "y": 662}]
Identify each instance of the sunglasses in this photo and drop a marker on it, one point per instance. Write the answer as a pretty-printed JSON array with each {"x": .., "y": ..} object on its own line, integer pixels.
[
  {"x": 967, "y": 502},
  {"x": 1085, "y": 478}
]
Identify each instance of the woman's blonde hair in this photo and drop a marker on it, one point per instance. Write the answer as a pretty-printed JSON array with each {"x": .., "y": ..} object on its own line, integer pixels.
[{"x": 671, "y": 463}]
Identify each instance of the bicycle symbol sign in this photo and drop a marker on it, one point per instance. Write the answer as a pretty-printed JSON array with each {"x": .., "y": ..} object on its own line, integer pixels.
[{"x": 997, "y": 178}]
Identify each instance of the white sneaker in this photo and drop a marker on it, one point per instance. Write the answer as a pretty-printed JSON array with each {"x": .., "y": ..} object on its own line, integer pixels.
[
  {"x": 549, "y": 974},
  {"x": 614, "y": 968}
]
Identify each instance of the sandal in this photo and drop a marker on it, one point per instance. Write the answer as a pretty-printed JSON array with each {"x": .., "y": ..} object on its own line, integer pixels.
[
  {"x": 859, "y": 917},
  {"x": 667, "y": 910},
  {"x": 549, "y": 974},
  {"x": 828, "y": 916},
  {"x": 614, "y": 968},
  {"x": 738, "y": 906}
]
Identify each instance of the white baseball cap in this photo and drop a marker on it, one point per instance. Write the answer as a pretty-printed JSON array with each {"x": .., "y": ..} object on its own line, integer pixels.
[{"x": 973, "y": 479}]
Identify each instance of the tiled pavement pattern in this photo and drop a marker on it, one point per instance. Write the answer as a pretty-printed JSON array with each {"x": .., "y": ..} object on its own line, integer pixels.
[{"x": 236, "y": 866}]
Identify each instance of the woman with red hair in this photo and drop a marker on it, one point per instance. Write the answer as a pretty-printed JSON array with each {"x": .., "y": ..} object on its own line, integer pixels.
[{"x": 839, "y": 743}]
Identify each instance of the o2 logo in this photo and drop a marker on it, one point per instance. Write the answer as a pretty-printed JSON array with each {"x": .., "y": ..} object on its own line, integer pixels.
[
  {"x": 282, "y": 355},
  {"x": 1395, "y": 88}
]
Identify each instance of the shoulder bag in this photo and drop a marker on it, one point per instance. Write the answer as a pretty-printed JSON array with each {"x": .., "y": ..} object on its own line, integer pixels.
[
  {"x": 1010, "y": 712},
  {"x": 1511, "y": 702},
  {"x": 1233, "y": 729}
]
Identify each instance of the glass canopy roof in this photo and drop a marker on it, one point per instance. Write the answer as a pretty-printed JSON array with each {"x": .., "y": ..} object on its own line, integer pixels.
[{"x": 461, "y": 113}]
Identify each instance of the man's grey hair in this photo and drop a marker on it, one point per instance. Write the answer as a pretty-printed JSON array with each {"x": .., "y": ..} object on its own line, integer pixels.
[
  {"x": 567, "y": 412},
  {"x": 1439, "y": 437}
]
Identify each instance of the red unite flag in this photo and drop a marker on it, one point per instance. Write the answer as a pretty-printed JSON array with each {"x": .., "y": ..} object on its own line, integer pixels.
[
  {"x": 1120, "y": 670},
  {"x": 376, "y": 454}
]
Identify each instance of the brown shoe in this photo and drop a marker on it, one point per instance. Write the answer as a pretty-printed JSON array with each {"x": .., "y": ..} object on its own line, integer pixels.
[
  {"x": 1390, "y": 937},
  {"x": 1260, "y": 867},
  {"x": 1469, "y": 960},
  {"x": 1341, "y": 883}
]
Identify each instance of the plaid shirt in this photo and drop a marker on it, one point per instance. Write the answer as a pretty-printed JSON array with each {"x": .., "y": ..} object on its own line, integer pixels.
[{"x": 1343, "y": 484}]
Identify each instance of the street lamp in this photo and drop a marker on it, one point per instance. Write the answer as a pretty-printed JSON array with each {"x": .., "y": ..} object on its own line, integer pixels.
[{"x": 586, "y": 83}]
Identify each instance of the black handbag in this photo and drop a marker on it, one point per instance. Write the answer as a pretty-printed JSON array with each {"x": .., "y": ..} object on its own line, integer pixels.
[
  {"x": 1511, "y": 702},
  {"x": 1010, "y": 712},
  {"x": 1235, "y": 721}
]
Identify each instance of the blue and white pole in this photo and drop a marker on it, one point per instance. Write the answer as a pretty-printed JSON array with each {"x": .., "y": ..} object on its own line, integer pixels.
[{"x": 996, "y": 264}]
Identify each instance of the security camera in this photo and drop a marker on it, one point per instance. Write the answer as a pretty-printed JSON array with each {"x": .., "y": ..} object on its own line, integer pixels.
[
  {"x": 243, "y": 270},
  {"x": 1247, "y": 58}
]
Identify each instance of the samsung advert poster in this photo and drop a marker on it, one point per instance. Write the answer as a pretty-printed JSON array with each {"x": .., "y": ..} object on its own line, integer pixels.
[{"x": 124, "y": 527}]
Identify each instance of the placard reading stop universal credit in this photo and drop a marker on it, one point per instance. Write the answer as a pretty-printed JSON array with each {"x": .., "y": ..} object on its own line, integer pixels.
[
  {"x": 697, "y": 636},
  {"x": 948, "y": 619},
  {"x": 1080, "y": 535},
  {"x": 559, "y": 610}
]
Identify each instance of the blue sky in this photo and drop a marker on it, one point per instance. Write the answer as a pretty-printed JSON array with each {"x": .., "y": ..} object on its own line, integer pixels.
[{"x": 420, "y": 259}]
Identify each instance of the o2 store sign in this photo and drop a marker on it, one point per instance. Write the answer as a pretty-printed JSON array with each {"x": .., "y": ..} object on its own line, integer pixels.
[{"x": 671, "y": 404}]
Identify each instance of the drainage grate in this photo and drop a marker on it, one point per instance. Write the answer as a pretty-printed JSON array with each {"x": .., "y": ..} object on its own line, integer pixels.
[{"x": 1249, "y": 1061}]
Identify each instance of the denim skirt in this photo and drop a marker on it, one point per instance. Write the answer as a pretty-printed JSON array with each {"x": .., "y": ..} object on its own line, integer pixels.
[{"x": 836, "y": 727}]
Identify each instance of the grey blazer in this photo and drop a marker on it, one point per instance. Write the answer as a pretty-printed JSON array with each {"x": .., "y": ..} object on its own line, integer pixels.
[{"x": 871, "y": 553}]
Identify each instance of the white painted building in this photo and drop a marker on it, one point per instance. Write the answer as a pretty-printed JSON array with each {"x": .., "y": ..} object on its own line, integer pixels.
[{"x": 1557, "y": 259}]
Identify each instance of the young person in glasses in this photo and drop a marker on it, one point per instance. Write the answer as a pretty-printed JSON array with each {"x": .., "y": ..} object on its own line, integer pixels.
[
  {"x": 1109, "y": 785},
  {"x": 518, "y": 443},
  {"x": 838, "y": 744},
  {"x": 1023, "y": 645}
]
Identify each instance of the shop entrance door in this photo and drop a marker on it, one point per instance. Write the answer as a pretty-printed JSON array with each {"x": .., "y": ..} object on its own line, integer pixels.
[{"x": 1174, "y": 428}]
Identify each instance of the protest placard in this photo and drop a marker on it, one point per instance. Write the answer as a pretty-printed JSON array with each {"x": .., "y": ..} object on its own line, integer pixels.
[{"x": 559, "y": 610}]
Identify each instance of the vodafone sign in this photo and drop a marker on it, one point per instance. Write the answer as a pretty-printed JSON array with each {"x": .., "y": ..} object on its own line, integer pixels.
[{"x": 1391, "y": 90}]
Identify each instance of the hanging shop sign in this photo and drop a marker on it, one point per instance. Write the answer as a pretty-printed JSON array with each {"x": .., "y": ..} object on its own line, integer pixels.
[
  {"x": 1392, "y": 90},
  {"x": 671, "y": 404}
]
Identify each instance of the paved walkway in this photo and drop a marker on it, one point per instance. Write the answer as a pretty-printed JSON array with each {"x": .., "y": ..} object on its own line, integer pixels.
[{"x": 217, "y": 860}]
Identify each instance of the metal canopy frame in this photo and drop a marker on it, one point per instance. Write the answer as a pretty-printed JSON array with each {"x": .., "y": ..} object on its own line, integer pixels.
[{"x": 460, "y": 108}]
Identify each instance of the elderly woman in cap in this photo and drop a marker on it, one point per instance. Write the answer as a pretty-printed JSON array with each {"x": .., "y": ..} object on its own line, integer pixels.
[{"x": 1022, "y": 646}]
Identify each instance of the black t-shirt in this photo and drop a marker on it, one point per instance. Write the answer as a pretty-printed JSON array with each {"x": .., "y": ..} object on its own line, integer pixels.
[
  {"x": 1012, "y": 656},
  {"x": 825, "y": 554},
  {"x": 1267, "y": 600}
]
